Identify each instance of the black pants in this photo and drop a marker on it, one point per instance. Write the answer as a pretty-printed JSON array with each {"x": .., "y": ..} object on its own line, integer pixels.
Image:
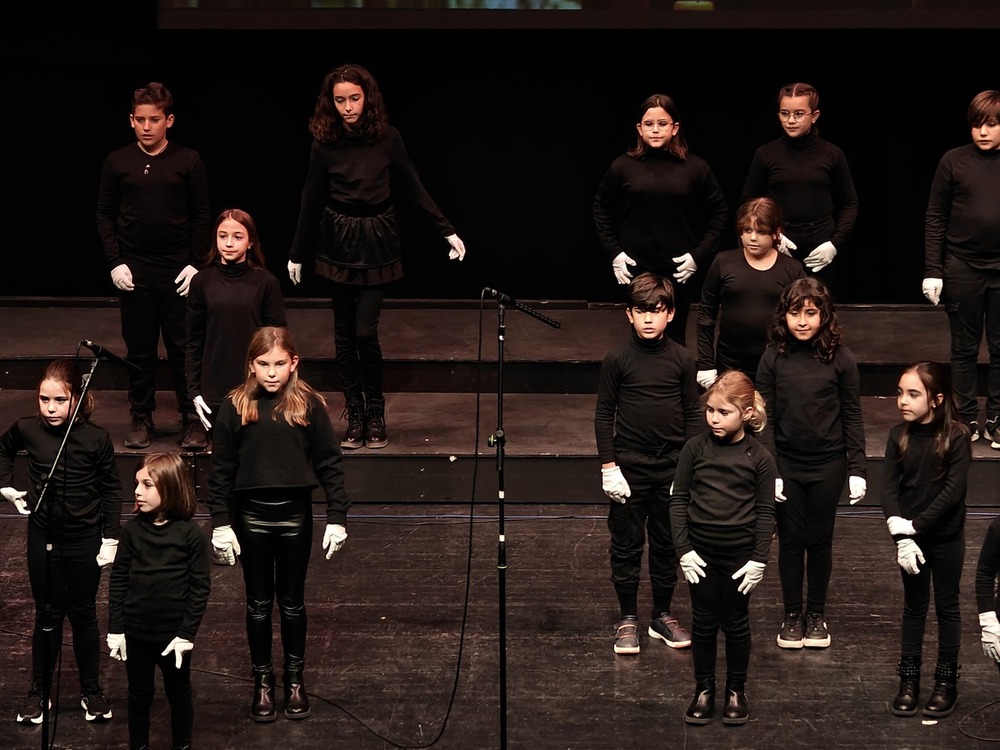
[
  {"x": 647, "y": 511},
  {"x": 356, "y": 311},
  {"x": 944, "y": 560},
  {"x": 69, "y": 589},
  {"x": 275, "y": 533},
  {"x": 716, "y": 603},
  {"x": 140, "y": 666},
  {"x": 805, "y": 524},
  {"x": 150, "y": 310}
]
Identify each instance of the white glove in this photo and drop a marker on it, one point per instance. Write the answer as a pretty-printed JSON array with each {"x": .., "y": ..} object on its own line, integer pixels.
[
  {"x": 183, "y": 280},
  {"x": 614, "y": 484},
  {"x": 779, "y": 490},
  {"x": 457, "y": 251},
  {"x": 693, "y": 566},
  {"x": 900, "y": 526},
  {"x": 685, "y": 267},
  {"x": 294, "y": 271},
  {"x": 121, "y": 277},
  {"x": 907, "y": 555},
  {"x": 620, "y": 265},
  {"x": 225, "y": 546},
  {"x": 857, "y": 488},
  {"x": 116, "y": 643},
  {"x": 178, "y": 646},
  {"x": 203, "y": 411},
  {"x": 932, "y": 289},
  {"x": 334, "y": 538},
  {"x": 705, "y": 378},
  {"x": 785, "y": 245},
  {"x": 16, "y": 497},
  {"x": 109, "y": 548},
  {"x": 821, "y": 257},
  {"x": 753, "y": 573},
  {"x": 991, "y": 634}
]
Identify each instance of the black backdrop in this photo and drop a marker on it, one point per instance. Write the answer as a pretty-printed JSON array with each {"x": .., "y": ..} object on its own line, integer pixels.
[{"x": 510, "y": 130}]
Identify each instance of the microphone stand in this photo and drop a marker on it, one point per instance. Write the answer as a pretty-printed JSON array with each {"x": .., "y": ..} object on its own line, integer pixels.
[
  {"x": 48, "y": 623},
  {"x": 498, "y": 440}
]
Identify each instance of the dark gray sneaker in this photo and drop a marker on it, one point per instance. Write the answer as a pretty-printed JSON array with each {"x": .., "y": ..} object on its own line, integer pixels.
[
  {"x": 95, "y": 706},
  {"x": 973, "y": 431},
  {"x": 140, "y": 434},
  {"x": 790, "y": 635},
  {"x": 992, "y": 432},
  {"x": 31, "y": 710},
  {"x": 816, "y": 635},
  {"x": 666, "y": 628},
  {"x": 627, "y": 636}
]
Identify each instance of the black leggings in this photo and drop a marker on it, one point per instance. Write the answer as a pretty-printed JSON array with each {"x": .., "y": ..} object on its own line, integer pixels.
[
  {"x": 275, "y": 533},
  {"x": 716, "y": 603},
  {"x": 356, "y": 311},
  {"x": 140, "y": 666},
  {"x": 943, "y": 566}
]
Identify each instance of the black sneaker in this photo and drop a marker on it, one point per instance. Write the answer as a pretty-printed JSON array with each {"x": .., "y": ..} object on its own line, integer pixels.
[
  {"x": 627, "y": 635},
  {"x": 666, "y": 628},
  {"x": 375, "y": 435},
  {"x": 95, "y": 706},
  {"x": 992, "y": 432},
  {"x": 354, "y": 413},
  {"x": 195, "y": 438},
  {"x": 31, "y": 710},
  {"x": 973, "y": 431},
  {"x": 790, "y": 635},
  {"x": 816, "y": 634},
  {"x": 140, "y": 434}
]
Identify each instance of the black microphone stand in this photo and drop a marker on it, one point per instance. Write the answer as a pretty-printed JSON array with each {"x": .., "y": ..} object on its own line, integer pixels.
[
  {"x": 498, "y": 440},
  {"x": 48, "y": 623}
]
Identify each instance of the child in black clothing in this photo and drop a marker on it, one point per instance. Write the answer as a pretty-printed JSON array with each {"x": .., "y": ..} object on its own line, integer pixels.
[
  {"x": 647, "y": 406},
  {"x": 987, "y": 569},
  {"x": 157, "y": 593},
  {"x": 927, "y": 459},
  {"x": 722, "y": 517}
]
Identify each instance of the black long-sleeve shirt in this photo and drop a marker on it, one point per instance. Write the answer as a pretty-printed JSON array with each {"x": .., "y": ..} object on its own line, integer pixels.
[
  {"x": 272, "y": 454},
  {"x": 746, "y": 297},
  {"x": 85, "y": 494},
  {"x": 813, "y": 407},
  {"x": 809, "y": 178},
  {"x": 987, "y": 568},
  {"x": 226, "y": 304},
  {"x": 723, "y": 497},
  {"x": 921, "y": 487},
  {"x": 647, "y": 398},
  {"x": 160, "y": 581},
  {"x": 963, "y": 211},
  {"x": 657, "y": 207},
  {"x": 154, "y": 209}
]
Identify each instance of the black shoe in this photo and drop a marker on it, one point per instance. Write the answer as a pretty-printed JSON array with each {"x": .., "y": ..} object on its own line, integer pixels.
[
  {"x": 973, "y": 430},
  {"x": 375, "y": 435},
  {"x": 296, "y": 697},
  {"x": 354, "y": 438},
  {"x": 666, "y": 628},
  {"x": 905, "y": 703},
  {"x": 702, "y": 706},
  {"x": 736, "y": 711},
  {"x": 31, "y": 710},
  {"x": 95, "y": 706},
  {"x": 790, "y": 635},
  {"x": 140, "y": 434},
  {"x": 195, "y": 438},
  {"x": 816, "y": 634},
  {"x": 262, "y": 708},
  {"x": 992, "y": 432},
  {"x": 945, "y": 693}
]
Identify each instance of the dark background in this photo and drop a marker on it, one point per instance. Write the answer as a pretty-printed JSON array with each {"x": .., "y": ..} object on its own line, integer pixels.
[{"x": 511, "y": 130}]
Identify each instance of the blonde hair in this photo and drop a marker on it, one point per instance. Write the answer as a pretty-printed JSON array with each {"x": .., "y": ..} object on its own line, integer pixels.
[{"x": 736, "y": 388}]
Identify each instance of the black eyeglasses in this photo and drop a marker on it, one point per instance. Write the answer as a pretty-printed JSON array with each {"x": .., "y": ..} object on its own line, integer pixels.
[{"x": 799, "y": 114}]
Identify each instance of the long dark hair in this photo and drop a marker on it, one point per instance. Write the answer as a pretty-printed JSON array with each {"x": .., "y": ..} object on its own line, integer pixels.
[
  {"x": 255, "y": 253},
  {"x": 326, "y": 124},
  {"x": 678, "y": 144},
  {"x": 828, "y": 337},
  {"x": 936, "y": 380}
]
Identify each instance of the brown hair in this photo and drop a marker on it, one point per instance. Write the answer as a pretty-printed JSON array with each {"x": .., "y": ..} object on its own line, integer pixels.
[
  {"x": 66, "y": 372},
  {"x": 678, "y": 144},
  {"x": 255, "y": 253},
  {"x": 326, "y": 124},
  {"x": 173, "y": 484}
]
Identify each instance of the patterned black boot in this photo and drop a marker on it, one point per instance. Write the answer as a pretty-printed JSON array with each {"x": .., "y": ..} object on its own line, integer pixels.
[
  {"x": 355, "y": 435},
  {"x": 905, "y": 703},
  {"x": 945, "y": 692}
]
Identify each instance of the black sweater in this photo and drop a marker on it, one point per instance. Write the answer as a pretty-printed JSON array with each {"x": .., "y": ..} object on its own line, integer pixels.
[{"x": 987, "y": 568}]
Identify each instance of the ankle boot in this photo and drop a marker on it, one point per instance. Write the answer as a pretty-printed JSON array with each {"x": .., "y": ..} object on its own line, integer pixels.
[
  {"x": 702, "y": 706},
  {"x": 354, "y": 437},
  {"x": 375, "y": 434},
  {"x": 262, "y": 708},
  {"x": 296, "y": 697},
  {"x": 905, "y": 703},
  {"x": 945, "y": 692},
  {"x": 736, "y": 711}
]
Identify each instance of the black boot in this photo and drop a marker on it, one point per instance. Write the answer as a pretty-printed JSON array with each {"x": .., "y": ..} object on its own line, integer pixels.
[
  {"x": 702, "y": 706},
  {"x": 262, "y": 708},
  {"x": 375, "y": 435},
  {"x": 736, "y": 711},
  {"x": 355, "y": 435},
  {"x": 905, "y": 703},
  {"x": 945, "y": 692},
  {"x": 296, "y": 697}
]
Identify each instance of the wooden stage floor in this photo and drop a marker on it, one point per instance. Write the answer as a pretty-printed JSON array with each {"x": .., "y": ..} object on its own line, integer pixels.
[{"x": 405, "y": 634}]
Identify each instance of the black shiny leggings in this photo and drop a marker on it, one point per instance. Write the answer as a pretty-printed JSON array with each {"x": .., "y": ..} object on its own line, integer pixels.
[{"x": 275, "y": 533}]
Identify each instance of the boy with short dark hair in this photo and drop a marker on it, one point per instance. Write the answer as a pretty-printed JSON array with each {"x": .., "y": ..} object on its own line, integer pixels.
[{"x": 647, "y": 408}]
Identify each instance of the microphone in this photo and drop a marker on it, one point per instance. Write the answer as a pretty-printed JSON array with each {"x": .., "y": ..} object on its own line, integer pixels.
[
  {"x": 101, "y": 353},
  {"x": 500, "y": 296}
]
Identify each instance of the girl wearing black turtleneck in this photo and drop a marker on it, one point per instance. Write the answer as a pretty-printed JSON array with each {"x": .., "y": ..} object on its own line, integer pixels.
[
  {"x": 810, "y": 181},
  {"x": 659, "y": 208},
  {"x": 647, "y": 407},
  {"x": 228, "y": 302}
]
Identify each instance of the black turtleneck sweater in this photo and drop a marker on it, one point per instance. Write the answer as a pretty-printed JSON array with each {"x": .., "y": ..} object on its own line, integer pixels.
[
  {"x": 647, "y": 398},
  {"x": 963, "y": 212},
  {"x": 928, "y": 490},
  {"x": 226, "y": 305},
  {"x": 809, "y": 179},
  {"x": 656, "y": 207}
]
